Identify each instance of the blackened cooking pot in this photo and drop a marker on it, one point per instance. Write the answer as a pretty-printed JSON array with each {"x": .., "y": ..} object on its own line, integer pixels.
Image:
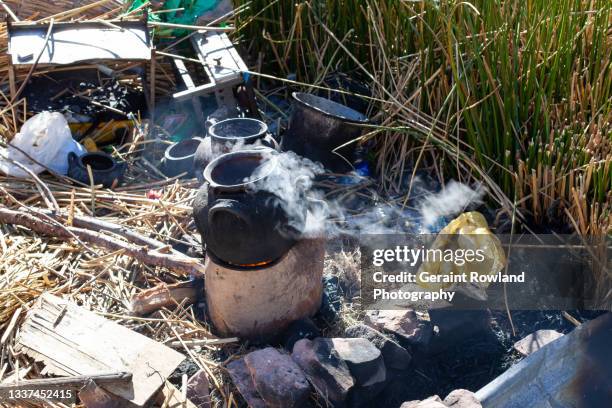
[
  {"x": 104, "y": 169},
  {"x": 319, "y": 127},
  {"x": 242, "y": 223},
  {"x": 178, "y": 158},
  {"x": 231, "y": 135}
]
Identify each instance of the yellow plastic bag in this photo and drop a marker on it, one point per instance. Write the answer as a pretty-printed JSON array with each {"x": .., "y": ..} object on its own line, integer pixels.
[{"x": 468, "y": 231}]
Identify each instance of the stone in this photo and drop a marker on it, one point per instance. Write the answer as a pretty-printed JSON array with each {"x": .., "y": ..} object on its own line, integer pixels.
[
  {"x": 403, "y": 323},
  {"x": 277, "y": 378},
  {"x": 241, "y": 377},
  {"x": 300, "y": 329},
  {"x": 394, "y": 355},
  {"x": 536, "y": 341},
  {"x": 364, "y": 360},
  {"x": 329, "y": 374},
  {"x": 198, "y": 390},
  {"x": 431, "y": 402},
  {"x": 462, "y": 399}
]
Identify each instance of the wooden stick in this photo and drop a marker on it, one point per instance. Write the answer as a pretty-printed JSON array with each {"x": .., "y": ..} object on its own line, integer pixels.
[
  {"x": 110, "y": 108},
  {"x": 571, "y": 318},
  {"x": 96, "y": 224},
  {"x": 203, "y": 342},
  {"x": 10, "y": 327},
  {"x": 167, "y": 54},
  {"x": 180, "y": 264},
  {"x": 152, "y": 87},
  {"x": 78, "y": 10},
  {"x": 72, "y": 381},
  {"x": 9, "y": 11},
  {"x": 163, "y": 295},
  {"x": 11, "y": 75},
  {"x": 137, "y": 9},
  {"x": 109, "y": 24},
  {"x": 167, "y": 10},
  {"x": 190, "y": 27}
]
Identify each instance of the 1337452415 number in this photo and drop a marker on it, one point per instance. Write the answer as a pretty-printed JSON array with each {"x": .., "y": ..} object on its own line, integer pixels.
[{"x": 38, "y": 394}]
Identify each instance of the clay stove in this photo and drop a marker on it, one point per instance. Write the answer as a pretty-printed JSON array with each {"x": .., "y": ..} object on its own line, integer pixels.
[
  {"x": 261, "y": 274},
  {"x": 258, "y": 303}
]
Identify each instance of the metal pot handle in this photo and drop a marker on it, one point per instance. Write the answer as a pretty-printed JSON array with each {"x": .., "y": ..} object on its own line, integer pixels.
[
  {"x": 233, "y": 207},
  {"x": 271, "y": 142}
]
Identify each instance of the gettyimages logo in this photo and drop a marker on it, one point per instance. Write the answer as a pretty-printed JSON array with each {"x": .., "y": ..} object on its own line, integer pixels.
[{"x": 476, "y": 271}]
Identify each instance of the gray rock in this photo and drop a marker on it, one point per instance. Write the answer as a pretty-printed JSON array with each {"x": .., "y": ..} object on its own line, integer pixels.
[
  {"x": 403, "y": 323},
  {"x": 395, "y": 356},
  {"x": 329, "y": 374},
  {"x": 536, "y": 341},
  {"x": 431, "y": 402},
  {"x": 462, "y": 399},
  {"x": 198, "y": 390},
  {"x": 277, "y": 378},
  {"x": 364, "y": 360},
  {"x": 241, "y": 377}
]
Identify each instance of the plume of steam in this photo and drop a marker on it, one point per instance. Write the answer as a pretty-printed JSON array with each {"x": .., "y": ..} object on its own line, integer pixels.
[
  {"x": 454, "y": 198},
  {"x": 380, "y": 219},
  {"x": 291, "y": 181}
]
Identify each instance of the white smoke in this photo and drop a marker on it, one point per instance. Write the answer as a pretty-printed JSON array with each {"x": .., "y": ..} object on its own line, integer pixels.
[
  {"x": 292, "y": 179},
  {"x": 453, "y": 199},
  {"x": 380, "y": 219}
]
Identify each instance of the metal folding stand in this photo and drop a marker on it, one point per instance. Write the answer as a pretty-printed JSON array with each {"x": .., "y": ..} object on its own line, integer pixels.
[{"x": 223, "y": 66}]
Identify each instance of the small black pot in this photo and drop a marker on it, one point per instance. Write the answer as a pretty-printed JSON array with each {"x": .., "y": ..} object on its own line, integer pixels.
[
  {"x": 105, "y": 170},
  {"x": 178, "y": 158},
  {"x": 239, "y": 224},
  {"x": 230, "y": 135},
  {"x": 317, "y": 129}
]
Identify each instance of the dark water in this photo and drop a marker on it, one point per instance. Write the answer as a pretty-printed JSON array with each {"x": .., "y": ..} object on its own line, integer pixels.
[{"x": 236, "y": 170}]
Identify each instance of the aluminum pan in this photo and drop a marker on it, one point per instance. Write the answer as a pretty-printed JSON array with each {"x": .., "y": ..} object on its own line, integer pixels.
[{"x": 573, "y": 371}]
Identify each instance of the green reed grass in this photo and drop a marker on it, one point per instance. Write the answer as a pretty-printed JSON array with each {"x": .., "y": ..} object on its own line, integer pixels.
[{"x": 517, "y": 90}]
